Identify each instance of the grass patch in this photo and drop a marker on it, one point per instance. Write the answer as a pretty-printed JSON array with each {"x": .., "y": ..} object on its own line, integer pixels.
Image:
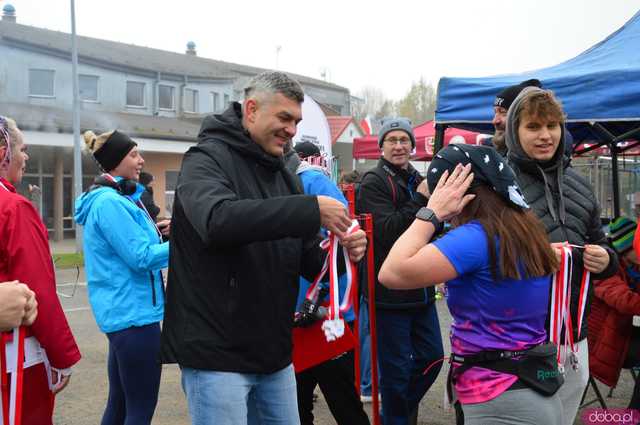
[{"x": 67, "y": 261}]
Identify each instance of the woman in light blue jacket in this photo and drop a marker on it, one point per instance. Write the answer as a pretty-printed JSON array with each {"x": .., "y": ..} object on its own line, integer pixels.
[{"x": 124, "y": 255}]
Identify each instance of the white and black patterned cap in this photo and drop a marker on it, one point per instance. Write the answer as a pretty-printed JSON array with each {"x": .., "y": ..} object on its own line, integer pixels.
[{"x": 488, "y": 167}]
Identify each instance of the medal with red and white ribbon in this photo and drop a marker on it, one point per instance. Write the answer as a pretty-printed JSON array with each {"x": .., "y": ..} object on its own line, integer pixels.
[
  {"x": 11, "y": 412},
  {"x": 560, "y": 312},
  {"x": 333, "y": 326}
]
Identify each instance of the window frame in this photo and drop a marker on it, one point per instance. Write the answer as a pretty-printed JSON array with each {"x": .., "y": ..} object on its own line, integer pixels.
[
  {"x": 173, "y": 98},
  {"x": 195, "y": 100},
  {"x": 97, "y": 78},
  {"x": 53, "y": 84},
  {"x": 144, "y": 94}
]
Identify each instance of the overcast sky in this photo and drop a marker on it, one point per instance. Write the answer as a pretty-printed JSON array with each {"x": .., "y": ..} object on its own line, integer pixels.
[{"x": 386, "y": 44}]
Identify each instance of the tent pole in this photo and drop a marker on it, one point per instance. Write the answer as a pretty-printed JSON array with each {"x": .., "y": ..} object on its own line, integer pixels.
[
  {"x": 616, "y": 181},
  {"x": 439, "y": 141}
]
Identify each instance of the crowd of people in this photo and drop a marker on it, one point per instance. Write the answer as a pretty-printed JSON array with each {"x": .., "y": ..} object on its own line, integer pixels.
[{"x": 241, "y": 310}]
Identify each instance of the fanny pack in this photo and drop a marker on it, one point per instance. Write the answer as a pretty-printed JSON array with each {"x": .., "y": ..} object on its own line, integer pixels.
[{"x": 537, "y": 367}]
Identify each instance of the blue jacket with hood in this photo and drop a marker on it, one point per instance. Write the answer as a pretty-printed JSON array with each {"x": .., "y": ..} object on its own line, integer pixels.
[{"x": 123, "y": 257}]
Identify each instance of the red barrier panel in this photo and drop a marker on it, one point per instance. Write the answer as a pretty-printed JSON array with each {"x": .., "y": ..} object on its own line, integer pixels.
[{"x": 371, "y": 282}]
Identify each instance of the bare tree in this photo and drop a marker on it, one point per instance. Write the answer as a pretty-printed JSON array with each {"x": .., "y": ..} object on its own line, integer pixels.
[
  {"x": 373, "y": 101},
  {"x": 419, "y": 104}
]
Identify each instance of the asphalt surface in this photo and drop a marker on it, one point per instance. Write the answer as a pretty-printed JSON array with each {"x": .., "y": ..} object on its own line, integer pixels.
[{"x": 83, "y": 401}]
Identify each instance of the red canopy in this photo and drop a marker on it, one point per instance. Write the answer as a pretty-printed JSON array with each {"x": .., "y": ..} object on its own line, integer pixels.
[{"x": 367, "y": 147}]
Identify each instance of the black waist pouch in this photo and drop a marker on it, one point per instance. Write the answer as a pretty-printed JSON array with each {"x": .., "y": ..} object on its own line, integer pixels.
[{"x": 537, "y": 367}]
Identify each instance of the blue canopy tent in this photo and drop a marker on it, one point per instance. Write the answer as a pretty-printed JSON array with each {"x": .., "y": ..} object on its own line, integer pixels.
[{"x": 599, "y": 90}]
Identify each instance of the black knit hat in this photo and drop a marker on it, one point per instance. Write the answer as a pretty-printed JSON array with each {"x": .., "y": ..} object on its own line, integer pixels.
[
  {"x": 117, "y": 146},
  {"x": 488, "y": 167},
  {"x": 506, "y": 97},
  {"x": 305, "y": 149}
]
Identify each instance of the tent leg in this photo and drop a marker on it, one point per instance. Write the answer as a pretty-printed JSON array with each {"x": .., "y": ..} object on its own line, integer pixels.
[
  {"x": 615, "y": 180},
  {"x": 439, "y": 141}
]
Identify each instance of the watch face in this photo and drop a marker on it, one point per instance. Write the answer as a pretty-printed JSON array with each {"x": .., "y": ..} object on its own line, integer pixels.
[{"x": 425, "y": 214}]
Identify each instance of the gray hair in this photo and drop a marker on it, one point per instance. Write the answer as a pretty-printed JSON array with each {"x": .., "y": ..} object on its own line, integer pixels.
[{"x": 274, "y": 82}]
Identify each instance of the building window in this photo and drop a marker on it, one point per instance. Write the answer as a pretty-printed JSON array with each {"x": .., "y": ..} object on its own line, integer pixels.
[
  {"x": 88, "y": 85},
  {"x": 215, "y": 101},
  {"x": 41, "y": 82},
  {"x": 226, "y": 101},
  {"x": 165, "y": 96},
  {"x": 190, "y": 100},
  {"x": 171, "y": 181},
  {"x": 135, "y": 94}
]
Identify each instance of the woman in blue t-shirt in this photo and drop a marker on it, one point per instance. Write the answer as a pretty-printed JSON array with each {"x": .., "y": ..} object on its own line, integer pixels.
[{"x": 497, "y": 263}]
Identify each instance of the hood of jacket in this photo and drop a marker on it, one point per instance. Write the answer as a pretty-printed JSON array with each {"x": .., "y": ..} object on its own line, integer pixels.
[
  {"x": 550, "y": 172},
  {"x": 85, "y": 201},
  {"x": 227, "y": 128}
]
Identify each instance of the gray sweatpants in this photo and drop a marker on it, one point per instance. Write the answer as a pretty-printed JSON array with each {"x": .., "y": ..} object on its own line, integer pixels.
[
  {"x": 575, "y": 381},
  {"x": 515, "y": 407}
]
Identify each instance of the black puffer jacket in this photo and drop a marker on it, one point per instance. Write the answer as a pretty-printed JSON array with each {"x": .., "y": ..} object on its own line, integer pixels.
[
  {"x": 565, "y": 203},
  {"x": 389, "y": 195},
  {"x": 241, "y": 237}
]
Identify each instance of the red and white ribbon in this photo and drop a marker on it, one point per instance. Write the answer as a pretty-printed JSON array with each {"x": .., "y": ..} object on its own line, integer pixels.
[
  {"x": 560, "y": 317},
  {"x": 11, "y": 412},
  {"x": 334, "y": 326}
]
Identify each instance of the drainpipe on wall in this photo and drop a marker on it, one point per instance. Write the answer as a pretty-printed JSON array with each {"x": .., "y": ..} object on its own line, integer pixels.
[
  {"x": 180, "y": 108},
  {"x": 156, "y": 95}
]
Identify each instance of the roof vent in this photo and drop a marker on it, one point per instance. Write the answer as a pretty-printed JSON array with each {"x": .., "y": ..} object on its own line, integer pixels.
[
  {"x": 191, "y": 48},
  {"x": 8, "y": 13}
]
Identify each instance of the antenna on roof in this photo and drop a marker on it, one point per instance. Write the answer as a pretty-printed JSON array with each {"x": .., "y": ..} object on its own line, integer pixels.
[{"x": 278, "y": 49}]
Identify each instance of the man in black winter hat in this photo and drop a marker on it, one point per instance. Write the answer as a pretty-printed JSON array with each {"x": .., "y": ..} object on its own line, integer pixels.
[{"x": 501, "y": 105}]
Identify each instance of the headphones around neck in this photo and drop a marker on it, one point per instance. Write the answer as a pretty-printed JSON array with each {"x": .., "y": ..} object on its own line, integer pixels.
[{"x": 124, "y": 187}]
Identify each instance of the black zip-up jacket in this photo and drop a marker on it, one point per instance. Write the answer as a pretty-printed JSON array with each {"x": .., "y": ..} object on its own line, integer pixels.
[
  {"x": 241, "y": 237},
  {"x": 565, "y": 203},
  {"x": 389, "y": 195}
]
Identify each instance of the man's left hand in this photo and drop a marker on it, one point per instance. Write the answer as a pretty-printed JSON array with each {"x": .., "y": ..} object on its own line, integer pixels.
[
  {"x": 165, "y": 227},
  {"x": 355, "y": 244},
  {"x": 595, "y": 258}
]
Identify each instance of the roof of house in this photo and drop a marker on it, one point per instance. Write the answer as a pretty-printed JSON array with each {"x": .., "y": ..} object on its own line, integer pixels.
[
  {"x": 136, "y": 57},
  {"x": 338, "y": 124}
]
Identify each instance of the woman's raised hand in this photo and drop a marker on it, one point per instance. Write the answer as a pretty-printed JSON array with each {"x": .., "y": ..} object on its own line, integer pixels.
[{"x": 448, "y": 198}]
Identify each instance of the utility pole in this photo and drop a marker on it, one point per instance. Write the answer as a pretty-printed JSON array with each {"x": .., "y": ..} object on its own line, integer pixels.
[{"x": 77, "y": 157}]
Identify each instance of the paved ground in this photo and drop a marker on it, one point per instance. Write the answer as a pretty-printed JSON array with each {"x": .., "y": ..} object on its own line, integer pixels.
[{"x": 83, "y": 401}]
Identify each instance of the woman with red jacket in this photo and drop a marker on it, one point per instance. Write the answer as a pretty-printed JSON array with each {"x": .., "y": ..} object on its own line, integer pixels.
[
  {"x": 25, "y": 257},
  {"x": 614, "y": 343}
]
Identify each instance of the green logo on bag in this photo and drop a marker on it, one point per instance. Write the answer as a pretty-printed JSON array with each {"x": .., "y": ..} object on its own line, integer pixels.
[{"x": 543, "y": 375}]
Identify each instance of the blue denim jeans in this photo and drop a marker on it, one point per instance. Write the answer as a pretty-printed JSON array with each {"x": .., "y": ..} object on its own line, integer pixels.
[
  {"x": 229, "y": 398},
  {"x": 409, "y": 341},
  {"x": 365, "y": 348}
]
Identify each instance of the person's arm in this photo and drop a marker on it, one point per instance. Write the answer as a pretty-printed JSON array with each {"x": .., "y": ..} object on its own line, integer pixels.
[
  {"x": 30, "y": 262},
  {"x": 415, "y": 263},
  {"x": 126, "y": 237},
  {"x": 220, "y": 218},
  {"x": 615, "y": 292}
]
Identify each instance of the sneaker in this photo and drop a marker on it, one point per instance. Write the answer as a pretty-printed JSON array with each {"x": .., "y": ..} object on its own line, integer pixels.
[{"x": 366, "y": 398}]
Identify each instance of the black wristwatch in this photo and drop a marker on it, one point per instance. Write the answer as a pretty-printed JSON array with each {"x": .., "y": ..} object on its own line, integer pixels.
[{"x": 426, "y": 214}]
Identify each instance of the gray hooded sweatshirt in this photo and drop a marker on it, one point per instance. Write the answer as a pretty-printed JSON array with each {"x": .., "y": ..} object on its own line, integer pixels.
[{"x": 562, "y": 199}]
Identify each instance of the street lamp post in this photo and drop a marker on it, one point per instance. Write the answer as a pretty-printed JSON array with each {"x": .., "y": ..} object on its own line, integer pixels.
[{"x": 77, "y": 157}]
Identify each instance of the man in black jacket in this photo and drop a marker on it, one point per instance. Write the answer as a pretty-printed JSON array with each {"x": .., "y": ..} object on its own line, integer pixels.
[
  {"x": 242, "y": 235},
  {"x": 408, "y": 330},
  {"x": 566, "y": 204}
]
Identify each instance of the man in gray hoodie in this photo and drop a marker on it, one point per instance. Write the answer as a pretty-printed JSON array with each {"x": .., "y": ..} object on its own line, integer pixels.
[{"x": 565, "y": 203}]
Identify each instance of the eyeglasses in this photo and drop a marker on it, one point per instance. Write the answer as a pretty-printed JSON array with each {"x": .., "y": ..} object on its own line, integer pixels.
[{"x": 392, "y": 141}]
